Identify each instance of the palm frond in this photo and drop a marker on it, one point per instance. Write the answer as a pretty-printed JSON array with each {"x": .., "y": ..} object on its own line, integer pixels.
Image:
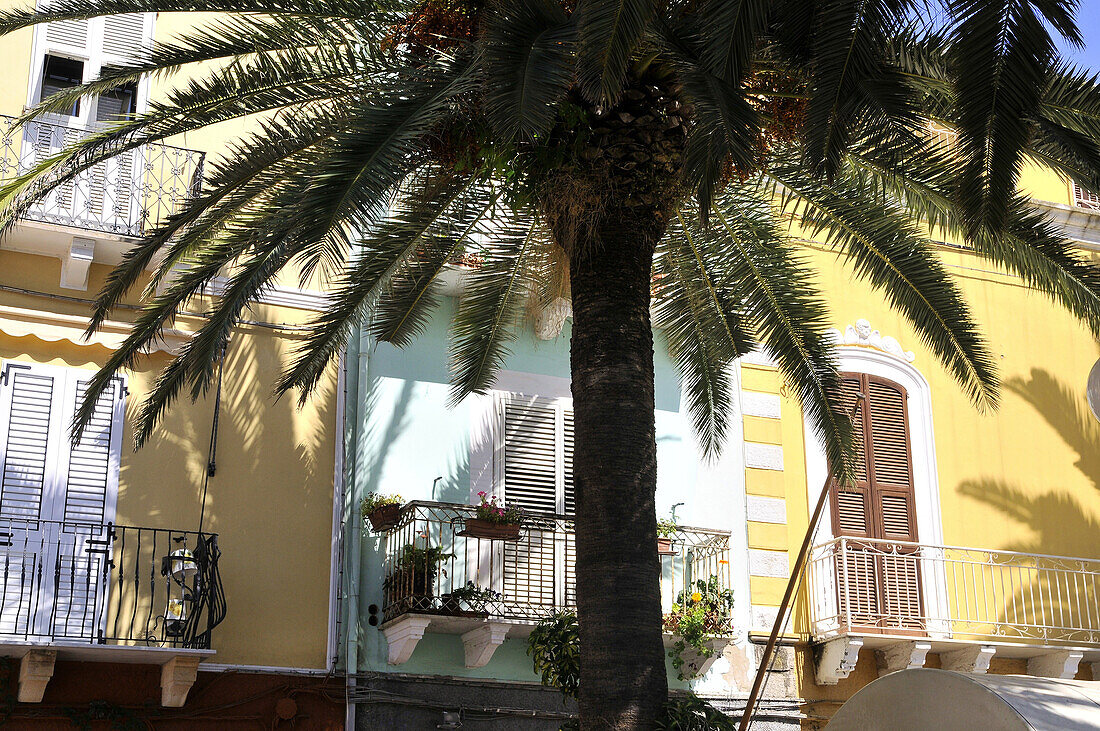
[
  {"x": 1001, "y": 58},
  {"x": 492, "y": 307},
  {"x": 608, "y": 32},
  {"x": 529, "y": 49},
  {"x": 888, "y": 251}
]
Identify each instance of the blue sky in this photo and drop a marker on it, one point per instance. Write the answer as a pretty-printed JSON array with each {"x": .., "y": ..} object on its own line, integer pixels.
[{"x": 1088, "y": 20}]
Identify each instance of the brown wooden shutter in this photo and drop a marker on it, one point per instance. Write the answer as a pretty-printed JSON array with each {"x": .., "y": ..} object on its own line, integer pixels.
[{"x": 883, "y": 581}]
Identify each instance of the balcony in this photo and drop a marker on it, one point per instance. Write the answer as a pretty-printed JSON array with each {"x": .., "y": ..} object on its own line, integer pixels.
[
  {"x": 529, "y": 577},
  {"x": 127, "y": 195},
  {"x": 967, "y": 604},
  {"x": 109, "y": 593}
]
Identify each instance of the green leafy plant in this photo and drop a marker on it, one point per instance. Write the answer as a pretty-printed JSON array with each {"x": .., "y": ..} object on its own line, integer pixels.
[
  {"x": 474, "y": 593},
  {"x": 491, "y": 511},
  {"x": 667, "y": 528},
  {"x": 375, "y": 500},
  {"x": 415, "y": 569},
  {"x": 555, "y": 648},
  {"x": 696, "y": 619},
  {"x": 693, "y": 714}
]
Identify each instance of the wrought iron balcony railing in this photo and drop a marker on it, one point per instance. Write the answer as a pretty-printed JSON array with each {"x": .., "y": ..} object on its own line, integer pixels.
[
  {"x": 530, "y": 577},
  {"x": 127, "y": 195},
  {"x": 858, "y": 585},
  {"x": 108, "y": 584}
]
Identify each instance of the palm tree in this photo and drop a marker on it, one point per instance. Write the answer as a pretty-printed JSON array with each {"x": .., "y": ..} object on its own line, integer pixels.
[{"x": 635, "y": 156}]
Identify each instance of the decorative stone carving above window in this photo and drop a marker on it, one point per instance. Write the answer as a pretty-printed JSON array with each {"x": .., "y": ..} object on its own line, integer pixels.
[{"x": 863, "y": 335}]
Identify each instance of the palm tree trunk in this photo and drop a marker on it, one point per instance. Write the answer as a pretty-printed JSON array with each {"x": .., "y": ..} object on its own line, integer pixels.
[{"x": 623, "y": 682}]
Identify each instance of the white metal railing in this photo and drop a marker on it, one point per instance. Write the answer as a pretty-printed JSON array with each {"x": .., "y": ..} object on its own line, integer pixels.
[
  {"x": 891, "y": 587},
  {"x": 129, "y": 194},
  {"x": 1085, "y": 198}
]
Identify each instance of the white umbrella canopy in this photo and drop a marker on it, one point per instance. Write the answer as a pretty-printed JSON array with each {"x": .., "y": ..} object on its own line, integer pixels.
[{"x": 944, "y": 700}]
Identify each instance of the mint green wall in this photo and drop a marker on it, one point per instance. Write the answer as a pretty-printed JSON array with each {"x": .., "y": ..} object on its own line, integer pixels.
[{"x": 402, "y": 436}]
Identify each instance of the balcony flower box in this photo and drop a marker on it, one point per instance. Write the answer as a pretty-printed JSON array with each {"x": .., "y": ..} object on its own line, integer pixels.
[
  {"x": 481, "y": 528},
  {"x": 665, "y": 547},
  {"x": 383, "y": 511},
  {"x": 383, "y": 518}
]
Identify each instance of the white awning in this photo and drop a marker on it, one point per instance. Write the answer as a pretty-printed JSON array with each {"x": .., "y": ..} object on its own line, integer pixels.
[
  {"x": 52, "y": 327},
  {"x": 944, "y": 700}
]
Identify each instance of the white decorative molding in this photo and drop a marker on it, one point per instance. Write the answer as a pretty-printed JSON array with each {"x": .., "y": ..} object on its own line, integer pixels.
[
  {"x": 763, "y": 617},
  {"x": 176, "y": 678},
  {"x": 764, "y": 456},
  {"x": 76, "y": 263},
  {"x": 696, "y": 665},
  {"x": 402, "y": 636},
  {"x": 551, "y": 318},
  {"x": 758, "y": 357},
  {"x": 902, "y": 656},
  {"x": 35, "y": 671},
  {"x": 764, "y": 405},
  {"x": 1081, "y": 225},
  {"x": 481, "y": 642},
  {"x": 1061, "y": 664},
  {"x": 766, "y": 509},
  {"x": 53, "y": 326},
  {"x": 836, "y": 659},
  {"x": 772, "y": 564},
  {"x": 974, "y": 659},
  {"x": 863, "y": 335}
]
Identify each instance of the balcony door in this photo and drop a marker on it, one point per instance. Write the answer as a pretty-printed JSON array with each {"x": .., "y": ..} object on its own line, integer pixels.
[
  {"x": 536, "y": 472},
  {"x": 56, "y": 499},
  {"x": 878, "y": 579},
  {"x": 66, "y": 54}
]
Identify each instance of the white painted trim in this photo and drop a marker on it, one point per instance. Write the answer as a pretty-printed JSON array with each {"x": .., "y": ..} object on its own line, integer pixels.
[
  {"x": 336, "y": 554},
  {"x": 926, "y": 488},
  {"x": 764, "y": 509},
  {"x": 764, "y": 456},
  {"x": 762, "y": 405}
]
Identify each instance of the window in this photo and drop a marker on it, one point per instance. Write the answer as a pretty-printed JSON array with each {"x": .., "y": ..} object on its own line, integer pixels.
[
  {"x": 70, "y": 52},
  {"x": 117, "y": 104},
  {"x": 537, "y": 453},
  {"x": 882, "y": 575},
  {"x": 53, "y": 494},
  {"x": 60, "y": 73},
  {"x": 1085, "y": 198}
]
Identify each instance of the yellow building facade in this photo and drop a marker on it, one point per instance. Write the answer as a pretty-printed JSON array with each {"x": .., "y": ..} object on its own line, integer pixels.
[
  {"x": 1000, "y": 570},
  {"x": 256, "y": 473}
]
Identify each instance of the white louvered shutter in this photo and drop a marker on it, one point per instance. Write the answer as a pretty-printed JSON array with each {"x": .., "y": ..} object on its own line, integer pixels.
[
  {"x": 29, "y": 398},
  {"x": 56, "y": 497},
  {"x": 85, "y": 504}
]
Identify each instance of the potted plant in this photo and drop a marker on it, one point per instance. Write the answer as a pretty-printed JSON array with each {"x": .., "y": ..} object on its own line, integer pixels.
[
  {"x": 697, "y": 618},
  {"x": 469, "y": 601},
  {"x": 414, "y": 573},
  {"x": 666, "y": 532},
  {"x": 383, "y": 511},
  {"x": 494, "y": 521}
]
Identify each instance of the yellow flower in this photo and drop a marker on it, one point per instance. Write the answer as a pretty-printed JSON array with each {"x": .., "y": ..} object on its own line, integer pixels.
[{"x": 696, "y": 597}]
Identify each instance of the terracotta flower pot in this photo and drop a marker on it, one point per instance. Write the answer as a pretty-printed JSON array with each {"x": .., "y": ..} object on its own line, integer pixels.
[
  {"x": 665, "y": 547},
  {"x": 385, "y": 517},
  {"x": 479, "y": 528}
]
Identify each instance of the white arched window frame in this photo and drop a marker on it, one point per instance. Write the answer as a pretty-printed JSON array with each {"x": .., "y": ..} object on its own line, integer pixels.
[{"x": 891, "y": 363}]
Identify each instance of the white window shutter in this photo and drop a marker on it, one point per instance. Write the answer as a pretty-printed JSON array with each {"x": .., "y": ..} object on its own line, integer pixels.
[
  {"x": 66, "y": 35},
  {"x": 27, "y": 417},
  {"x": 538, "y": 454},
  {"x": 92, "y": 475},
  {"x": 124, "y": 36}
]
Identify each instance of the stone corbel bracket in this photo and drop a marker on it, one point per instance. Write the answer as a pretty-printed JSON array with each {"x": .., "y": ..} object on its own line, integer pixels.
[
  {"x": 969, "y": 659},
  {"x": 35, "y": 671},
  {"x": 902, "y": 656},
  {"x": 482, "y": 642},
  {"x": 176, "y": 678},
  {"x": 1061, "y": 664},
  {"x": 75, "y": 264},
  {"x": 402, "y": 636},
  {"x": 836, "y": 659}
]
